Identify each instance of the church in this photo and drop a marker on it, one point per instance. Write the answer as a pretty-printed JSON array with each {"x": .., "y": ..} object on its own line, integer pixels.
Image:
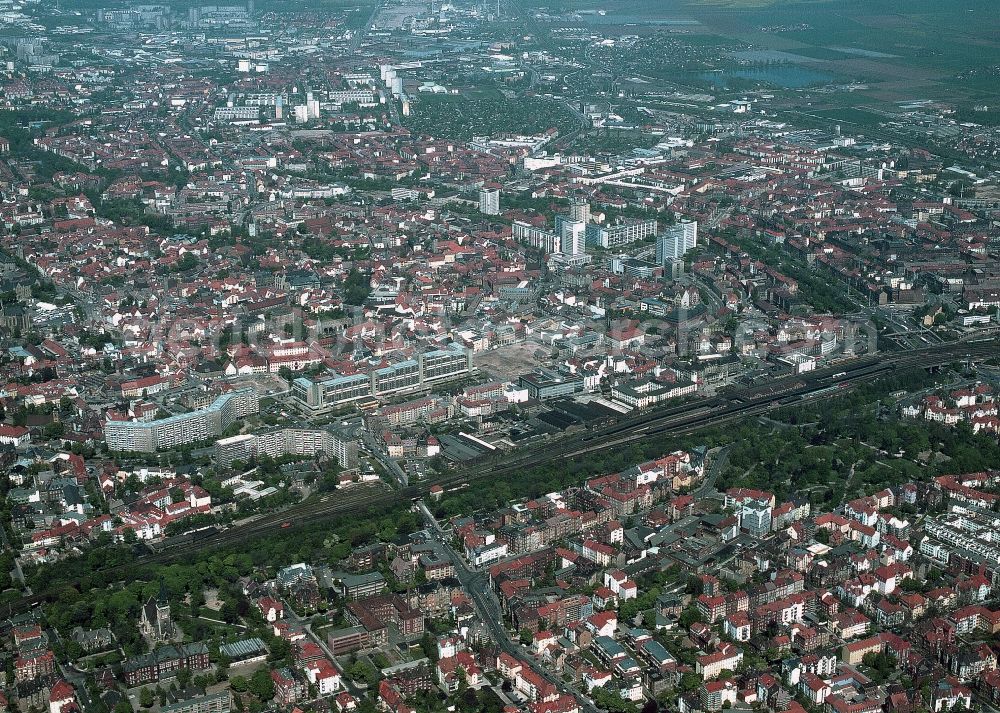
[{"x": 154, "y": 619}]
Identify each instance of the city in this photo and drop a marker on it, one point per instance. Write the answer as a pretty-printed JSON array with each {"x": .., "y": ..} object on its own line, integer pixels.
[{"x": 514, "y": 356}]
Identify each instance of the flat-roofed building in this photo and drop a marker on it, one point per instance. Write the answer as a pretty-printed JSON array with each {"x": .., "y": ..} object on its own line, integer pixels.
[
  {"x": 624, "y": 233},
  {"x": 220, "y": 702},
  {"x": 200, "y": 425}
]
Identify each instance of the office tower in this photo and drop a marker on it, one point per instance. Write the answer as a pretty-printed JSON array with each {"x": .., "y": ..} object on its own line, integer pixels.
[
  {"x": 688, "y": 233},
  {"x": 489, "y": 201},
  {"x": 279, "y": 108},
  {"x": 573, "y": 235},
  {"x": 678, "y": 240}
]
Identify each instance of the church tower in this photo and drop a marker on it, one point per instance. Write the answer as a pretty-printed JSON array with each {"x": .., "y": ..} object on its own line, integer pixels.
[{"x": 163, "y": 623}]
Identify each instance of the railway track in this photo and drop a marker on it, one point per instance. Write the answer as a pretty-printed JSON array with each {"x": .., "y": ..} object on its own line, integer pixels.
[
  {"x": 746, "y": 402},
  {"x": 673, "y": 421},
  {"x": 678, "y": 420}
]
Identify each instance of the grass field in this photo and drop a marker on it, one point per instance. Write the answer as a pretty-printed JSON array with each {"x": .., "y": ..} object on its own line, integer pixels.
[
  {"x": 852, "y": 116},
  {"x": 821, "y": 53}
]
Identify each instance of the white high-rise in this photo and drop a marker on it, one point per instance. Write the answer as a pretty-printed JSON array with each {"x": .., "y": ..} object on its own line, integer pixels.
[
  {"x": 571, "y": 232},
  {"x": 574, "y": 237},
  {"x": 678, "y": 240},
  {"x": 489, "y": 201}
]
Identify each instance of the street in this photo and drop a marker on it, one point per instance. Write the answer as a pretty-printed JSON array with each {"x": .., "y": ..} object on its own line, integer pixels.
[{"x": 477, "y": 586}]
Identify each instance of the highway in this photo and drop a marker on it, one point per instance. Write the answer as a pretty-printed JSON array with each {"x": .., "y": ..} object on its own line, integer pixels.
[
  {"x": 355, "y": 44},
  {"x": 731, "y": 407}
]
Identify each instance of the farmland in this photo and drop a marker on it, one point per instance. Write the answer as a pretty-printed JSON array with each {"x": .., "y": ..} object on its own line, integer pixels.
[{"x": 922, "y": 49}]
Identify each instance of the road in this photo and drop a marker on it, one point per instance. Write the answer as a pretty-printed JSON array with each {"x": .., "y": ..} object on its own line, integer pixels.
[
  {"x": 91, "y": 310},
  {"x": 355, "y": 44},
  {"x": 716, "y": 464},
  {"x": 382, "y": 456},
  {"x": 17, "y": 572},
  {"x": 476, "y": 584}
]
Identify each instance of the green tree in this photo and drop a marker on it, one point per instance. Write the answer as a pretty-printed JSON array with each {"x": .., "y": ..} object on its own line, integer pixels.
[
  {"x": 612, "y": 701},
  {"x": 689, "y": 682},
  {"x": 363, "y": 673},
  {"x": 147, "y": 697},
  {"x": 183, "y": 677},
  {"x": 689, "y": 616},
  {"x": 429, "y": 646},
  {"x": 357, "y": 287},
  {"x": 262, "y": 685}
]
